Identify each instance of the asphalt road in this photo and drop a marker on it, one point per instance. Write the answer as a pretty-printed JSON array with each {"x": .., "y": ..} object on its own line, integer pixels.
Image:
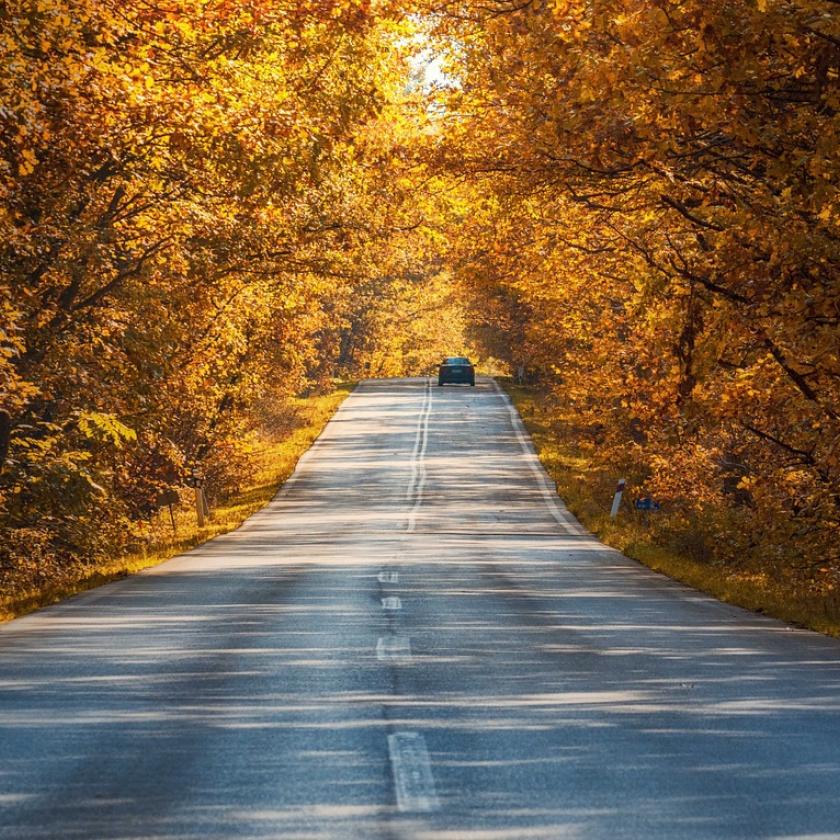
[{"x": 415, "y": 640}]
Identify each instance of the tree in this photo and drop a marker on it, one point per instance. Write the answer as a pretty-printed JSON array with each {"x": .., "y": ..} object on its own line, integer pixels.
[{"x": 659, "y": 205}]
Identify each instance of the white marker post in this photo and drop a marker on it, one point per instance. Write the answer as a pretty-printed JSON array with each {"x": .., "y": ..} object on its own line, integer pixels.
[{"x": 617, "y": 498}]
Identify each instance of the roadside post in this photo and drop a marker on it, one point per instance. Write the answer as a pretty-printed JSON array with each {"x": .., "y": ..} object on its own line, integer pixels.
[
  {"x": 170, "y": 497},
  {"x": 619, "y": 490},
  {"x": 202, "y": 511},
  {"x": 199, "y": 506}
]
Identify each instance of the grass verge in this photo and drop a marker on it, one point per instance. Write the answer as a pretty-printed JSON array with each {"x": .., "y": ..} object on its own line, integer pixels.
[
  {"x": 275, "y": 461},
  {"x": 587, "y": 491}
]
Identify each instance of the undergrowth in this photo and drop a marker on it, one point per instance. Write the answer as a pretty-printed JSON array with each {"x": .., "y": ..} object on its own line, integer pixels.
[{"x": 274, "y": 457}]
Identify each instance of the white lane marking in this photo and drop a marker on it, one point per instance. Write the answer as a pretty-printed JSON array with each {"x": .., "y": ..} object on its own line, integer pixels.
[
  {"x": 388, "y": 577},
  {"x": 561, "y": 516},
  {"x": 427, "y": 396},
  {"x": 420, "y": 461},
  {"x": 394, "y": 648},
  {"x": 391, "y": 603},
  {"x": 412, "y": 769},
  {"x": 258, "y": 517}
]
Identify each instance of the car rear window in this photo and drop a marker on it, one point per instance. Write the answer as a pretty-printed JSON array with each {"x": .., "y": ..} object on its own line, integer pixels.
[{"x": 456, "y": 360}]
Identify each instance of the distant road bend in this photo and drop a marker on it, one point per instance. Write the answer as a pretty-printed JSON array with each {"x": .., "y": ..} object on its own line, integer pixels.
[{"x": 414, "y": 640}]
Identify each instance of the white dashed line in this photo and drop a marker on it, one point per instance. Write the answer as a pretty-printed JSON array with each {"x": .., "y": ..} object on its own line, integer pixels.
[
  {"x": 561, "y": 516},
  {"x": 412, "y": 769},
  {"x": 394, "y": 648},
  {"x": 391, "y": 603},
  {"x": 388, "y": 577}
]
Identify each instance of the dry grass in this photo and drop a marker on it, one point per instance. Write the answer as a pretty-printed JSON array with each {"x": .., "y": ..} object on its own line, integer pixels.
[
  {"x": 275, "y": 459},
  {"x": 587, "y": 491}
]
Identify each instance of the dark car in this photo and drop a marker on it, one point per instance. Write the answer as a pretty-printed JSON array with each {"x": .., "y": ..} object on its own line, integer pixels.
[{"x": 456, "y": 369}]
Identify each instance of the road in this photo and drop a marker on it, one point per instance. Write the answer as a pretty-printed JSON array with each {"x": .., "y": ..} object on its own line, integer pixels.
[{"x": 414, "y": 640}]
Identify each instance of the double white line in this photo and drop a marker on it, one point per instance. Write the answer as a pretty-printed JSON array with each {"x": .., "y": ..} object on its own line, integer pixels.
[{"x": 418, "y": 465}]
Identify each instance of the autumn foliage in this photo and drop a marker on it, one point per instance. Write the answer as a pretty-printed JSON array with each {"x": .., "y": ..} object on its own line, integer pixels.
[
  {"x": 209, "y": 206},
  {"x": 191, "y": 202},
  {"x": 657, "y": 239}
]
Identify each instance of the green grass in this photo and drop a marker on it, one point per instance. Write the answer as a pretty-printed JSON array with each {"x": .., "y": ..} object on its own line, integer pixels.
[
  {"x": 587, "y": 490},
  {"x": 275, "y": 460}
]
